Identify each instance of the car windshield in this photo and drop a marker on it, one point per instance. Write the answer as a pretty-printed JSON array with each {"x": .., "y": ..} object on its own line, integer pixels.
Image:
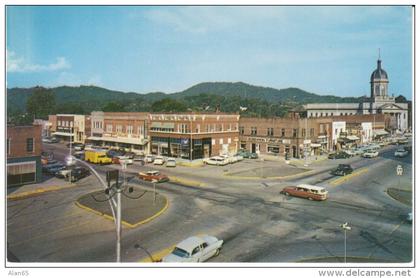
[
  {"x": 102, "y": 156},
  {"x": 180, "y": 253}
]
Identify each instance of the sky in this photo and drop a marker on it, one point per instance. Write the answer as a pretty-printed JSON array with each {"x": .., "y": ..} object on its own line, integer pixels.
[{"x": 323, "y": 50}]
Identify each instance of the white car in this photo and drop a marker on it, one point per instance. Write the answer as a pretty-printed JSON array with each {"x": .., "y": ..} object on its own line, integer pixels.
[
  {"x": 370, "y": 154},
  {"x": 195, "y": 249},
  {"x": 216, "y": 160},
  {"x": 400, "y": 153},
  {"x": 149, "y": 158},
  {"x": 230, "y": 159},
  {"x": 171, "y": 162},
  {"x": 125, "y": 159},
  {"x": 159, "y": 160},
  {"x": 350, "y": 152}
]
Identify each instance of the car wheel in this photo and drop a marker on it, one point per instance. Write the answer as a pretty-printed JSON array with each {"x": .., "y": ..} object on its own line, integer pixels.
[{"x": 217, "y": 252}]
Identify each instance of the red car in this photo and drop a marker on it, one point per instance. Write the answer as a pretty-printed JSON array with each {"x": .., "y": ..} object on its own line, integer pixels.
[
  {"x": 153, "y": 176},
  {"x": 306, "y": 191}
]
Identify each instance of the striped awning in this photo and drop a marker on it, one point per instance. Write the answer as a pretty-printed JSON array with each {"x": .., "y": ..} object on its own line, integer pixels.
[
  {"x": 62, "y": 134},
  {"x": 21, "y": 168},
  {"x": 380, "y": 132}
]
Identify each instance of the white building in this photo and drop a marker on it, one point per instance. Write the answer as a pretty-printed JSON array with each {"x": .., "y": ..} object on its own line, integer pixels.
[{"x": 379, "y": 103}]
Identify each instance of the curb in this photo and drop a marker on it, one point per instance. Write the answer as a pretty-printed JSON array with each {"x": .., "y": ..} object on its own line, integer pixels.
[
  {"x": 343, "y": 179},
  {"x": 191, "y": 165},
  {"x": 125, "y": 223},
  {"x": 38, "y": 191},
  {"x": 186, "y": 182},
  {"x": 158, "y": 255}
]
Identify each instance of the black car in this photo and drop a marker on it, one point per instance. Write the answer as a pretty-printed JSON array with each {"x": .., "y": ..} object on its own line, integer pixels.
[
  {"x": 342, "y": 170},
  {"x": 338, "y": 155},
  {"x": 78, "y": 173},
  {"x": 52, "y": 169}
]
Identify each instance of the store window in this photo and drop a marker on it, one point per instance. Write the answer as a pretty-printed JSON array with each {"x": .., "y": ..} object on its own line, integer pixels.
[{"x": 29, "y": 145}]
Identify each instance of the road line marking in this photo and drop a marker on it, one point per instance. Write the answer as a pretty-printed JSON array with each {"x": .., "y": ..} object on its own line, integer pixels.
[
  {"x": 344, "y": 179},
  {"x": 157, "y": 256}
]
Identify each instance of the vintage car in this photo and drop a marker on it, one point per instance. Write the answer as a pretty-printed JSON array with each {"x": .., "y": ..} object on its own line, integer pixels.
[
  {"x": 216, "y": 160},
  {"x": 159, "y": 160},
  {"x": 310, "y": 192},
  {"x": 153, "y": 176},
  {"x": 339, "y": 155},
  {"x": 370, "y": 154},
  {"x": 171, "y": 162},
  {"x": 121, "y": 160},
  {"x": 342, "y": 170},
  {"x": 77, "y": 173},
  {"x": 401, "y": 153},
  {"x": 195, "y": 249}
]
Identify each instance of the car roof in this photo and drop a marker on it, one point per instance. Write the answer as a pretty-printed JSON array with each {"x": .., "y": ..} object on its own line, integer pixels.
[
  {"x": 190, "y": 243},
  {"x": 312, "y": 187},
  {"x": 152, "y": 172}
]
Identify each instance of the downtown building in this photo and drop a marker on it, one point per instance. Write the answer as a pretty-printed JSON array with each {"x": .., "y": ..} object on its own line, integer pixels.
[
  {"x": 68, "y": 127},
  {"x": 193, "y": 135},
  {"x": 379, "y": 103},
  {"x": 294, "y": 135},
  {"x": 23, "y": 150},
  {"x": 120, "y": 130}
]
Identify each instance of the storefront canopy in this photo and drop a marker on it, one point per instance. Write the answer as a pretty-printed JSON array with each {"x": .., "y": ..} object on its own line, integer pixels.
[
  {"x": 380, "y": 132},
  {"x": 61, "y": 134},
  {"x": 134, "y": 141},
  {"x": 163, "y": 125},
  {"x": 353, "y": 138}
]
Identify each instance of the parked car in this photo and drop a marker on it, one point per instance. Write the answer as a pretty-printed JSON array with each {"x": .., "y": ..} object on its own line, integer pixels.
[
  {"x": 79, "y": 154},
  {"x": 113, "y": 153},
  {"x": 153, "y": 176},
  {"x": 370, "y": 154},
  {"x": 76, "y": 146},
  {"x": 350, "y": 152},
  {"x": 171, "y": 162},
  {"x": 338, "y": 155},
  {"x": 401, "y": 153},
  {"x": 50, "y": 140},
  {"x": 130, "y": 155},
  {"x": 62, "y": 174},
  {"x": 246, "y": 154},
  {"x": 121, "y": 160},
  {"x": 149, "y": 158},
  {"x": 342, "y": 170},
  {"x": 216, "y": 160},
  {"x": 310, "y": 192},
  {"x": 141, "y": 159},
  {"x": 195, "y": 249},
  {"x": 53, "y": 168},
  {"x": 159, "y": 160},
  {"x": 77, "y": 174},
  {"x": 238, "y": 157}
]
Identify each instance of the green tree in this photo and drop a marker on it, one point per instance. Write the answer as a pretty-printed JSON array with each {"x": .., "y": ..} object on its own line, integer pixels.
[
  {"x": 41, "y": 103},
  {"x": 169, "y": 105},
  {"x": 114, "y": 106}
]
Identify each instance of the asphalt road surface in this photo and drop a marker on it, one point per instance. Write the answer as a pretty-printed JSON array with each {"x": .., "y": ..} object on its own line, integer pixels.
[{"x": 256, "y": 223}]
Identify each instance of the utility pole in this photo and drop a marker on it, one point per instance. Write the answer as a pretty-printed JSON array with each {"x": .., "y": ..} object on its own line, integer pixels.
[{"x": 346, "y": 228}]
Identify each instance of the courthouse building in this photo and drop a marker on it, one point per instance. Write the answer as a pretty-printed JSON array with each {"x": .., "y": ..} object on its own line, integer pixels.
[{"x": 379, "y": 103}]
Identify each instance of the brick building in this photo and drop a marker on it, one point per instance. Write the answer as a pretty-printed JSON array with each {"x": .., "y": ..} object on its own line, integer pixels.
[
  {"x": 23, "y": 148},
  {"x": 293, "y": 135},
  {"x": 70, "y": 127},
  {"x": 128, "y": 130},
  {"x": 193, "y": 135}
]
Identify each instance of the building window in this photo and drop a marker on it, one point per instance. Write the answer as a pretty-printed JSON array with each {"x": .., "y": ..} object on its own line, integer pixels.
[
  {"x": 29, "y": 145},
  {"x": 213, "y": 142},
  {"x": 59, "y": 123},
  {"x": 241, "y": 130},
  {"x": 229, "y": 127},
  {"x": 71, "y": 124},
  {"x": 221, "y": 127},
  {"x": 316, "y": 114},
  {"x": 253, "y": 130},
  {"x": 119, "y": 128},
  {"x": 8, "y": 145},
  {"x": 184, "y": 128},
  {"x": 229, "y": 140},
  {"x": 141, "y": 130},
  {"x": 221, "y": 141},
  {"x": 270, "y": 131},
  {"x": 303, "y": 133},
  {"x": 283, "y": 132},
  {"x": 129, "y": 129},
  {"x": 295, "y": 131},
  {"x": 332, "y": 113},
  {"x": 312, "y": 131},
  {"x": 109, "y": 128},
  {"x": 197, "y": 128},
  {"x": 322, "y": 114}
]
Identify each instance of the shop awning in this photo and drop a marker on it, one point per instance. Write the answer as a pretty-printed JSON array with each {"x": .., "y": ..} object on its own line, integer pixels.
[
  {"x": 380, "y": 132},
  {"x": 62, "y": 134},
  {"x": 322, "y": 136},
  {"x": 134, "y": 141},
  {"x": 353, "y": 138},
  {"x": 314, "y": 145}
]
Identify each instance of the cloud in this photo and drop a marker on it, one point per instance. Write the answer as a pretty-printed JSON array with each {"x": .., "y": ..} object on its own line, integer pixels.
[{"x": 16, "y": 63}]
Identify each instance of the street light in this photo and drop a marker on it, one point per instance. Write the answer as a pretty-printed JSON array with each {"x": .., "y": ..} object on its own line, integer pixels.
[{"x": 346, "y": 228}]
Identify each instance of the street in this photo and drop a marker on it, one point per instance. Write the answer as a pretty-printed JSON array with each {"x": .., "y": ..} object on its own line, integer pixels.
[{"x": 256, "y": 223}]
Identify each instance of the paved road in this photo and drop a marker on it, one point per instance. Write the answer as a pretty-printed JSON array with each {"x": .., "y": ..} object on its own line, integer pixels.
[{"x": 256, "y": 222}]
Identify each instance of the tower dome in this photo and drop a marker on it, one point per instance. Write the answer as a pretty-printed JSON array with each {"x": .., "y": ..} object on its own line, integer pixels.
[{"x": 379, "y": 73}]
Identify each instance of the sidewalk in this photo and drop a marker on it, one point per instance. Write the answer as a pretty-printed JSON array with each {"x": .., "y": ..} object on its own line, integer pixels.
[{"x": 29, "y": 190}]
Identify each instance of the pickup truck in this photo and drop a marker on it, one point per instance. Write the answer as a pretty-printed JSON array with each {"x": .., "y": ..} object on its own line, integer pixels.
[{"x": 153, "y": 176}]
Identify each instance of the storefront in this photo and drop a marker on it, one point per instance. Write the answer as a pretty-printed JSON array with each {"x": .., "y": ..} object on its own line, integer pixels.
[{"x": 181, "y": 147}]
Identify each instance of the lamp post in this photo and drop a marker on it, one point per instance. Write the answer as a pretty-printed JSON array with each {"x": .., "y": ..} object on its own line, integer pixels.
[{"x": 346, "y": 228}]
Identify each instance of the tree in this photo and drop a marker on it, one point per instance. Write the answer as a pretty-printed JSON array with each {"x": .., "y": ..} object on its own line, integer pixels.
[
  {"x": 168, "y": 105},
  {"x": 41, "y": 103},
  {"x": 400, "y": 99},
  {"x": 114, "y": 106}
]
